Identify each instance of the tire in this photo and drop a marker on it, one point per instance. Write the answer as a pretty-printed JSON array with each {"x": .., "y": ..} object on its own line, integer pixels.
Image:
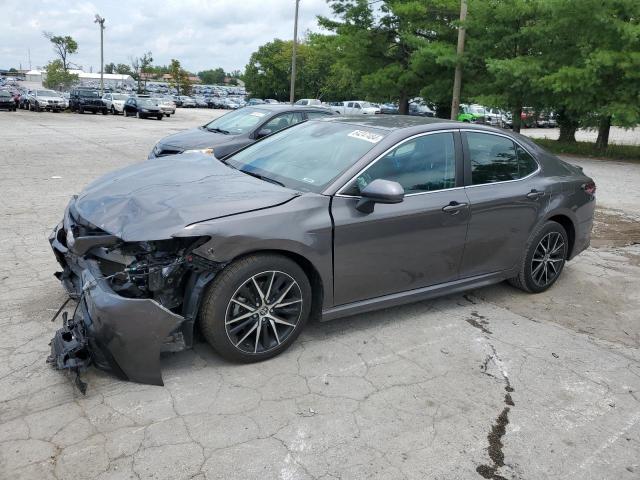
[
  {"x": 105, "y": 111},
  {"x": 537, "y": 275},
  {"x": 159, "y": 117},
  {"x": 113, "y": 111},
  {"x": 168, "y": 115},
  {"x": 93, "y": 112},
  {"x": 234, "y": 282}
]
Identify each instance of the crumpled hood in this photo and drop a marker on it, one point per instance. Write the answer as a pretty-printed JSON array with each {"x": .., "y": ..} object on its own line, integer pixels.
[
  {"x": 195, "y": 138},
  {"x": 154, "y": 200}
]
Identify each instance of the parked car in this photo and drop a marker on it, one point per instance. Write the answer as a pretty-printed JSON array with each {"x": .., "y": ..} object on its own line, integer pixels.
[
  {"x": 115, "y": 102},
  {"x": 271, "y": 101},
  {"x": 23, "y": 102},
  {"x": 235, "y": 130},
  {"x": 187, "y": 102},
  {"x": 255, "y": 101},
  {"x": 421, "y": 110},
  {"x": 307, "y": 102},
  {"x": 528, "y": 118},
  {"x": 82, "y": 99},
  {"x": 547, "y": 120},
  {"x": 325, "y": 219},
  {"x": 6, "y": 101},
  {"x": 42, "y": 99},
  {"x": 230, "y": 104},
  {"x": 201, "y": 102},
  {"x": 356, "y": 107},
  {"x": 167, "y": 106},
  {"x": 389, "y": 108},
  {"x": 142, "y": 107},
  {"x": 471, "y": 114}
]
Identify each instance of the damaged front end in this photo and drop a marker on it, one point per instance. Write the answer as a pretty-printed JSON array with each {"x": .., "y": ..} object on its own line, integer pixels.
[{"x": 135, "y": 299}]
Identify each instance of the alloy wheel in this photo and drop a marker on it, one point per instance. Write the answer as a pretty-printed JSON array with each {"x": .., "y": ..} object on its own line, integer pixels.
[
  {"x": 263, "y": 312},
  {"x": 548, "y": 259}
]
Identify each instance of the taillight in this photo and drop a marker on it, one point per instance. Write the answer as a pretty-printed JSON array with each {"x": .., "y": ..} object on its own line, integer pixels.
[{"x": 590, "y": 187}]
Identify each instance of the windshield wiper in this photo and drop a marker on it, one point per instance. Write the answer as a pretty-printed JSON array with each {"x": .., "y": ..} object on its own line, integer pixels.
[
  {"x": 219, "y": 130},
  {"x": 262, "y": 177}
]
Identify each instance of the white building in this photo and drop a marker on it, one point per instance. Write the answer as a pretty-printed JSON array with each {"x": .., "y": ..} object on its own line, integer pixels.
[{"x": 113, "y": 80}]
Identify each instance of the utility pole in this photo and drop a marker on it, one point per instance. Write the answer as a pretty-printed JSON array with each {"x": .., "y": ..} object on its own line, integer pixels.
[
  {"x": 457, "y": 79},
  {"x": 292, "y": 92},
  {"x": 99, "y": 20}
]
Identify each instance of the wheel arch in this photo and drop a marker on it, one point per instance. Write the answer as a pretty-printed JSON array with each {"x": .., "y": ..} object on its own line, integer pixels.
[
  {"x": 310, "y": 270},
  {"x": 569, "y": 226}
]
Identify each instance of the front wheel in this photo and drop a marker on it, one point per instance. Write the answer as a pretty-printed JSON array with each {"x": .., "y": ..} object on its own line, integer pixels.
[
  {"x": 544, "y": 259},
  {"x": 256, "y": 307}
]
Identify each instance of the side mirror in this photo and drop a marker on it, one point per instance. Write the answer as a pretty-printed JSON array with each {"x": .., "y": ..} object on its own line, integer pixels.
[
  {"x": 263, "y": 132},
  {"x": 379, "y": 191}
]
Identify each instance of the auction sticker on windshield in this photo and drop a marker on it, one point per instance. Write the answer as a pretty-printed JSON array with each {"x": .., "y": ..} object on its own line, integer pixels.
[
  {"x": 367, "y": 136},
  {"x": 257, "y": 114}
]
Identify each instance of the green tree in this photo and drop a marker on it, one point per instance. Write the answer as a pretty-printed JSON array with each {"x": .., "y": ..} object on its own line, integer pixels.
[
  {"x": 502, "y": 60},
  {"x": 212, "y": 77},
  {"x": 395, "y": 47},
  {"x": 141, "y": 66},
  {"x": 592, "y": 60},
  {"x": 110, "y": 68},
  {"x": 123, "y": 69},
  {"x": 58, "y": 77},
  {"x": 179, "y": 78},
  {"x": 63, "y": 46}
]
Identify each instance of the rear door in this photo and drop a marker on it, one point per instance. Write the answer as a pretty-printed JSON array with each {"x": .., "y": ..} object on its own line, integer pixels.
[
  {"x": 412, "y": 244},
  {"x": 507, "y": 198}
]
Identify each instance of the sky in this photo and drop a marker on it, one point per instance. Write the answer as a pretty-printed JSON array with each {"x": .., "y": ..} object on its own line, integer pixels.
[{"x": 202, "y": 34}]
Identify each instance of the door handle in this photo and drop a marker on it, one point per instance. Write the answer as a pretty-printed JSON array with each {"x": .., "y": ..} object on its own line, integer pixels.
[
  {"x": 454, "y": 207},
  {"x": 535, "y": 194}
]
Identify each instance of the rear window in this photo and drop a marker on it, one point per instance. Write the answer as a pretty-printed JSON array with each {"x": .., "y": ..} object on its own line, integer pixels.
[{"x": 497, "y": 159}]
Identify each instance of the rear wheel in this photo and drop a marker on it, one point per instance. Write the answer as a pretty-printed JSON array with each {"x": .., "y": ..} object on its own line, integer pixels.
[
  {"x": 544, "y": 259},
  {"x": 159, "y": 117},
  {"x": 256, "y": 307},
  {"x": 113, "y": 111}
]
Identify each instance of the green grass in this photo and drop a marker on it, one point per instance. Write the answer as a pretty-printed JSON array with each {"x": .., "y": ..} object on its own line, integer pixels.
[{"x": 588, "y": 149}]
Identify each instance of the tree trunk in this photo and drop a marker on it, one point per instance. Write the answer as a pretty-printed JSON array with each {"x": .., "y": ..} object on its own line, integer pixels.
[
  {"x": 403, "y": 104},
  {"x": 568, "y": 127},
  {"x": 516, "y": 118},
  {"x": 603, "y": 132},
  {"x": 568, "y": 132}
]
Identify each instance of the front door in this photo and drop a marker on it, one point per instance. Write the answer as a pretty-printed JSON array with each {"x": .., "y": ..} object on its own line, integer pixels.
[{"x": 408, "y": 245}]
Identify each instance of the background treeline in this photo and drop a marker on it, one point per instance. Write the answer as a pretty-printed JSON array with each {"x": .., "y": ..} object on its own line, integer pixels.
[{"x": 578, "y": 58}]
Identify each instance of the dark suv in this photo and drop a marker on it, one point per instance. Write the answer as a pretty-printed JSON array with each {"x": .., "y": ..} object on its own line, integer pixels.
[{"x": 83, "y": 99}]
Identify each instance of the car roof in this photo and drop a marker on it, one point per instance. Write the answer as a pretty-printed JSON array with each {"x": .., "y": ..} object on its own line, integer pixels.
[
  {"x": 282, "y": 107},
  {"x": 395, "y": 122}
]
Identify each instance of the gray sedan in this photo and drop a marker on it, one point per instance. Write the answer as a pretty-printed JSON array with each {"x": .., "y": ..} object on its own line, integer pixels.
[{"x": 324, "y": 219}]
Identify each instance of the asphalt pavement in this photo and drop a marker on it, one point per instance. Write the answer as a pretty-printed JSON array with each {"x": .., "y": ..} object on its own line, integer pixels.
[{"x": 493, "y": 383}]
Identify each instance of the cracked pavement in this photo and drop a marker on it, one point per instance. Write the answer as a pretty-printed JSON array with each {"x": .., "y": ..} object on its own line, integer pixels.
[{"x": 412, "y": 392}]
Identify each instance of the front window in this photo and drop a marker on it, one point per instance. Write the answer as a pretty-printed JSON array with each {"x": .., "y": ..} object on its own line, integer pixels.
[
  {"x": 424, "y": 164},
  {"x": 238, "y": 122},
  {"x": 88, "y": 93},
  {"x": 307, "y": 156},
  {"x": 146, "y": 103},
  {"x": 119, "y": 97}
]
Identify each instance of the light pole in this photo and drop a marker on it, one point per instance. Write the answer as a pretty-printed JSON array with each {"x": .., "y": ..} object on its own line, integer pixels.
[
  {"x": 457, "y": 79},
  {"x": 292, "y": 92},
  {"x": 99, "y": 20}
]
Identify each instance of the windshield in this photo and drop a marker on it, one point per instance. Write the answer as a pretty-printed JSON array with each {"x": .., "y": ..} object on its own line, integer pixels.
[
  {"x": 307, "y": 156},
  {"x": 238, "y": 122},
  {"x": 120, "y": 97},
  {"x": 4, "y": 93},
  {"x": 146, "y": 102},
  {"x": 365, "y": 104},
  {"x": 476, "y": 110},
  {"x": 47, "y": 93},
  {"x": 88, "y": 93}
]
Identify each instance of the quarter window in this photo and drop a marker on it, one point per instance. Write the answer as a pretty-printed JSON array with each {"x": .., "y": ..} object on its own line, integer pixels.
[
  {"x": 497, "y": 159},
  {"x": 423, "y": 164}
]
